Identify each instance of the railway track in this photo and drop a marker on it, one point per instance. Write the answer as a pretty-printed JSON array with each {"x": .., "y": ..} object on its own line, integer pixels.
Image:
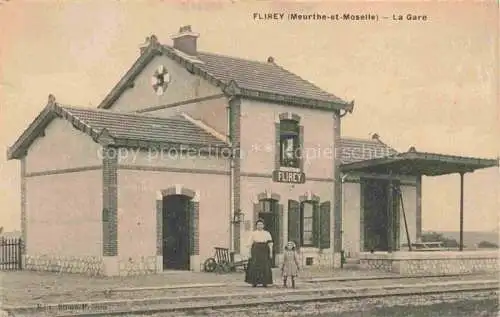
[{"x": 267, "y": 299}]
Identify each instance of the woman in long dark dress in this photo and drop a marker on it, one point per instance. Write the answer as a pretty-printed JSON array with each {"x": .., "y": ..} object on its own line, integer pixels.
[{"x": 259, "y": 265}]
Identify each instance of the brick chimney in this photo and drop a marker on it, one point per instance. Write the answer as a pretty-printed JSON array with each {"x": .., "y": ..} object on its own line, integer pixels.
[{"x": 185, "y": 40}]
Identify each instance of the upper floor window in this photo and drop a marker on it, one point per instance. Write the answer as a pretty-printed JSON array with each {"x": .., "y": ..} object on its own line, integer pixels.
[{"x": 289, "y": 143}]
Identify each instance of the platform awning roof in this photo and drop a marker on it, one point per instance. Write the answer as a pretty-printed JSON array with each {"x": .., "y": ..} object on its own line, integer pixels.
[{"x": 415, "y": 163}]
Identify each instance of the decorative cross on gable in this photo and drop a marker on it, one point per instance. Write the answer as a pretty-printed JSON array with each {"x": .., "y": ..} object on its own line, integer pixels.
[{"x": 160, "y": 80}]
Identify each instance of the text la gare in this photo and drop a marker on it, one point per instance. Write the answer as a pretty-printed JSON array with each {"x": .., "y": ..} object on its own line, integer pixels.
[{"x": 409, "y": 17}]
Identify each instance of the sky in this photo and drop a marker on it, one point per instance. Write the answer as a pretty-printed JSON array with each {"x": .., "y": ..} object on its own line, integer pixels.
[{"x": 430, "y": 84}]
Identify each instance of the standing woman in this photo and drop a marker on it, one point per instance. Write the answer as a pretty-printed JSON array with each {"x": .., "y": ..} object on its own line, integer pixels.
[{"x": 259, "y": 265}]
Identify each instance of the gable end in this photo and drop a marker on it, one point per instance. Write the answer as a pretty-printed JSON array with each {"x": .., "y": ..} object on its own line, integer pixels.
[{"x": 194, "y": 66}]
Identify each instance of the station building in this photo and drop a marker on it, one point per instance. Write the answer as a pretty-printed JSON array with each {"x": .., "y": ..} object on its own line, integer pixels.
[{"x": 186, "y": 151}]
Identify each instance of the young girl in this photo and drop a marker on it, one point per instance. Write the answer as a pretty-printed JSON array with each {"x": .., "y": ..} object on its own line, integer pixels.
[{"x": 290, "y": 266}]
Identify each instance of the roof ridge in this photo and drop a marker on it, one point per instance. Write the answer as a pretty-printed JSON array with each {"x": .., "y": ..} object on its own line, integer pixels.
[{"x": 237, "y": 58}]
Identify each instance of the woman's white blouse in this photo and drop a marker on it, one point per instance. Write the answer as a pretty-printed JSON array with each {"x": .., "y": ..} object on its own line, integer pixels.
[{"x": 259, "y": 236}]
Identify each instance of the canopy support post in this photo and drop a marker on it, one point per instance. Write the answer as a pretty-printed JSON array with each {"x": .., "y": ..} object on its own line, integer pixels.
[
  {"x": 461, "y": 246},
  {"x": 390, "y": 216},
  {"x": 419, "y": 208}
]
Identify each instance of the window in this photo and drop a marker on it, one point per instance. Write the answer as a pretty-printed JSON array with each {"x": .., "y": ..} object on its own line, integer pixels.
[
  {"x": 307, "y": 225},
  {"x": 289, "y": 143},
  {"x": 267, "y": 205}
]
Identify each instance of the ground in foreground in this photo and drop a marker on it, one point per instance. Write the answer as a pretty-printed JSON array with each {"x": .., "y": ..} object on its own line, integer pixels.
[{"x": 466, "y": 304}]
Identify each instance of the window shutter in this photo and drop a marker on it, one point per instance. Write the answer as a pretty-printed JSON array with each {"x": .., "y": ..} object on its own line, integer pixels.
[
  {"x": 277, "y": 147},
  {"x": 280, "y": 237},
  {"x": 294, "y": 222},
  {"x": 301, "y": 147},
  {"x": 159, "y": 227},
  {"x": 325, "y": 210},
  {"x": 362, "y": 191},
  {"x": 194, "y": 227},
  {"x": 189, "y": 211},
  {"x": 256, "y": 210},
  {"x": 316, "y": 225}
]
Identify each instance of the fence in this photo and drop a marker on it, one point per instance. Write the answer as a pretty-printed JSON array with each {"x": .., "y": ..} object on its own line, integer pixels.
[{"x": 10, "y": 254}]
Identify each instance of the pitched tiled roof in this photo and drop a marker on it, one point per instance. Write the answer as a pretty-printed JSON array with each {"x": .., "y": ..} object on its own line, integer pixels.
[
  {"x": 355, "y": 150},
  {"x": 249, "y": 79},
  {"x": 132, "y": 126},
  {"x": 261, "y": 76},
  {"x": 124, "y": 129}
]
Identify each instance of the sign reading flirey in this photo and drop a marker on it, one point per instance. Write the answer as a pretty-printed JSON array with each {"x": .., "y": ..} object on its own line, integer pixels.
[{"x": 289, "y": 177}]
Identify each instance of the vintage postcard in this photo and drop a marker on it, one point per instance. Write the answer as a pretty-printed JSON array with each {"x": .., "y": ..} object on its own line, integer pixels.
[{"x": 249, "y": 158}]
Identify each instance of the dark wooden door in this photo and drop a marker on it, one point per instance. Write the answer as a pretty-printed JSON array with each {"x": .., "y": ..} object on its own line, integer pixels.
[
  {"x": 375, "y": 207},
  {"x": 176, "y": 235}
]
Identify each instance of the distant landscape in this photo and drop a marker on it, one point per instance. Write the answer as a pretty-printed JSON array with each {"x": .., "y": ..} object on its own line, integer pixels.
[{"x": 471, "y": 238}]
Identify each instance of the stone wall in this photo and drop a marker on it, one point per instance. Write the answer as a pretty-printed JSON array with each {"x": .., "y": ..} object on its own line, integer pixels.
[
  {"x": 432, "y": 263},
  {"x": 320, "y": 258},
  {"x": 92, "y": 265},
  {"x": 88, "y": 265},
  {"x": 376, "y": 264}
]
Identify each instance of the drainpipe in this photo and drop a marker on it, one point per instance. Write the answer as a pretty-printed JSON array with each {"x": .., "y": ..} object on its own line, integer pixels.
[
  {"x": 231, "y": 204},
  {"x": 230, "y": 134},
  {"x": 342, "y": 251}
]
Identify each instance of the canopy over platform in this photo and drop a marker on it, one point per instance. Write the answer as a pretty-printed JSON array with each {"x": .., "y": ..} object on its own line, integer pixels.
[
  {"x": 418, "y": 164},
  {"x": 415, "y": 163}
]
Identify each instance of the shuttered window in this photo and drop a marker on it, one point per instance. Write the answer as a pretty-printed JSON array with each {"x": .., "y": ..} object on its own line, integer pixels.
[{"x": 309, "y": 223}]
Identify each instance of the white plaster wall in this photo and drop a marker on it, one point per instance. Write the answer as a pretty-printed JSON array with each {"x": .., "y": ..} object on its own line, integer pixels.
[
  {"x": 64, "y": 210},
  {"x": 137, "y": 194},
  {"x": 253, "y": 186},
  {"x": 258, "y": 138},
  {"x": 183, "y": 86},
  {"x": 172, "y": 159},
  {"x": 62, "y": 147},
  {"x": 212, "y": 112},
  {"x": 64, "y": 214},
  {"x": 351, "y": 213},
  {"x": 410, "y": 205}
]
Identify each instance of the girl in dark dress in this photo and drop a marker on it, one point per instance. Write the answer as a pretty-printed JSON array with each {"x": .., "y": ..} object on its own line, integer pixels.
[{"x": 259, "y": 265}]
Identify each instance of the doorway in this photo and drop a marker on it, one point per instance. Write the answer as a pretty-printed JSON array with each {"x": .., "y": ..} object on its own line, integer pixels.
[
  {"x": 176, "y": 233},
  {"x": 375, "y": 215},
  {"x": 269, "y": 213},
  {"x": 377, "y": 232}
]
